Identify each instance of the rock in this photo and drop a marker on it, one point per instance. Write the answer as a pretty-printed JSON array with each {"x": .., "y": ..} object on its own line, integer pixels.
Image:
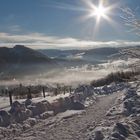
[
  {"x": 134, "y": 126},
  {"x": 28, "y": 113},
  {"x": 138, "y": 133},
  {"x": 109, "y": 113},
  {"x": 47, "y": 105},
  {"x": 28, "y": 102},
  {"x": 67, "y": 103},
  {"x": 5, "y": 132},
  {"x": 40, "y": 107},
  {"x": 98, "y": 135},
  {"x": 33, "y": 110},
  {"x": 16, "y": 106},
  {"x": 31, "y": 121},
  {"x": 135, "y": 110},
  {"x": 22, "y": 107},
  {"x": 132, "y": 137},
  {"x": 13, "y": 126},
  {"x": 137, "y": 120},
  {"x": 61, "y": 103},
  {"x": 128, "y": 105},
  {"x": 125, "y": 112},
  {"x": 26, "y": 126},
  {"x": 46, "y": 115},
  {"x": 20, "y": 116},
  {"x": 78, "y": 106},
  {"x": 117, "y": 136},
  {"x": 1, "y": 137},
  {"x": 19, "y": 112},
  {"x": 112, "y": 138},
  {"x": 57, "y": 106},
  {"x": 5, "y": 118},
  {"x": 37, "y": 108},
  {"x": 120, "y": 128},
  {"x": 138, "y": 115},
  {"x": 130, "y": 93}
]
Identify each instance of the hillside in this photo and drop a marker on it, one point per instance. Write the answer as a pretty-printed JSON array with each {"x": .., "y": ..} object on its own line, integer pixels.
[
  {"x": 91, "y": 55},
  {"x": 20, "y": 54},
  {"x": 21, "y": 61}
]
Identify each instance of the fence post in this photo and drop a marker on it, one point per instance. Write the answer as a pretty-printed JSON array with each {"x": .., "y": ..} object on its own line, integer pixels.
[
  {"x": 10, "y": 98},
  {"x": 43, "y": 92},
  {"x": 70, "y": 89},
  {"x": 29, "y": 95},
  {"x": 55, "y": 92},
  {"x": 6, "y": 92},
  {"x": 64, "y": 90}
]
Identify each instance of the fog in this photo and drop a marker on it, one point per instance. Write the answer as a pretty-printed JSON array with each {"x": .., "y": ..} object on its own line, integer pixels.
[{"x": 69, "y": 75}]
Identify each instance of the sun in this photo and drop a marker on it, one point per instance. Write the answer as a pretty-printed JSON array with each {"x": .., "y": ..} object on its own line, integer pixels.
[{"x": 99, "y": 11}]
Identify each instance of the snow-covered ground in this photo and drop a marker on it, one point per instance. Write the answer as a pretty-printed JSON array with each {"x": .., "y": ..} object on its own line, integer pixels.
[
  {"x": 101, "y": 116},
  {"x": 4, "y": 101}
]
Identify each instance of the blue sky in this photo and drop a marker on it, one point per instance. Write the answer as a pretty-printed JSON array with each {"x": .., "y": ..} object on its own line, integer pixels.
[{"x": 61, "y": 24}]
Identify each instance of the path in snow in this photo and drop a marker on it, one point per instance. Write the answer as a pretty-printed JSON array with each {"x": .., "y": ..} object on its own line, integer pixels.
[{"x": 71, "y": 128}]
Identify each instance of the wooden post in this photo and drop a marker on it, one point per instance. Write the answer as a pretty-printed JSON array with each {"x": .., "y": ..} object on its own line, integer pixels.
[
  {"x": 70, "y": 89},
  {"x": 43, "y": 92},
  {"x": 6, "y": 92},
  {"x": 64, "y": 90},
  {"x": 2, "y": 91},
  {"x": 55, "y": 92},
  {"x": 58, "y": 89},
  {"x": 29, "y": 95},
  {"x": 10, "y": 98}
]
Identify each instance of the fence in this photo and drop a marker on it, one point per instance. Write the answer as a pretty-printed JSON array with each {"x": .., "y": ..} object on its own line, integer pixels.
[{"x": 28, "y": 92}]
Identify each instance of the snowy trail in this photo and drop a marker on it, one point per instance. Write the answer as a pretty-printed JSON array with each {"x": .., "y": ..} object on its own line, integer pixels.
[{"x": 72, "y": 128}]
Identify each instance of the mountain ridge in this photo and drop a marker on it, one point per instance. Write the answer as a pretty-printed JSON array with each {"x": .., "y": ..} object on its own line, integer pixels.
[{"x": 21, "y": 54}]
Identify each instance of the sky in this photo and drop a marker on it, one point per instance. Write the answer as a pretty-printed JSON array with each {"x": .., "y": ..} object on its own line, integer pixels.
[{"x": 66, "y": 24}]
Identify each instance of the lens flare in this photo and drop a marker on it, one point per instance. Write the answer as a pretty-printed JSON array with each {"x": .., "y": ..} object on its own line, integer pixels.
[
  {"x": 99, "y": 11},
  {"x": 92, "y": 13}
]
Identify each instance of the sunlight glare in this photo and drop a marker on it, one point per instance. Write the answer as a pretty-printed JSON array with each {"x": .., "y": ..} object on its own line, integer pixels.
[{"x": 99, "y": 11}]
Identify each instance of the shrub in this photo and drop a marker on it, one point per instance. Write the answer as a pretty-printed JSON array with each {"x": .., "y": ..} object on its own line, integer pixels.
[{"x": 115, "y": 77}]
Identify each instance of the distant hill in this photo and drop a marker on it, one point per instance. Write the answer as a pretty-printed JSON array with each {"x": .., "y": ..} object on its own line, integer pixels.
[
  {"x": 20, "y": 54},
  {"x": 91, "y": 55},
  {"x": 55, "y": 53},
  {"x": 102, "y": 51},
  {"x": 21, "y": 61}
]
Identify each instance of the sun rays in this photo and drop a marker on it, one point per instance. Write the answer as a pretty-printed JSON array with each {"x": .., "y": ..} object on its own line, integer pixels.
[
  {"x": 99, "y": 12},
  {"x": 92, "y": 13}
]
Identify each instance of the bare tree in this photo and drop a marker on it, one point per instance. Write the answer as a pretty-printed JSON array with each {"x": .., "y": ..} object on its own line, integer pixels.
[{"x": 131, "y": 19}]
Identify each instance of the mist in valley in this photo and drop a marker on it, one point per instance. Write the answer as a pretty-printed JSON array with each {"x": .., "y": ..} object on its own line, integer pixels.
[{"x": 66, "y": 75}]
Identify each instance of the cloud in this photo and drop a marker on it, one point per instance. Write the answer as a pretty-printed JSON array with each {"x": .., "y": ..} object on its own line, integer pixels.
[
  {"x": 15, "y": 28},
  {"x": 40, "y": 41}
]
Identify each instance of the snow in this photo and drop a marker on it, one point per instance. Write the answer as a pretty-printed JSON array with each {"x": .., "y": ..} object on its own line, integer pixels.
[
  {"x": 69, "y": 113},
  {"x": 71, "y": 76},
  {"x": 4, "y": 101}
]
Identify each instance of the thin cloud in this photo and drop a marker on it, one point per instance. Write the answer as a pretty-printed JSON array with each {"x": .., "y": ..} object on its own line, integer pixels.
[
  {"x": 15, "y": 28},
  {"x": 40, "y": 41}
]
